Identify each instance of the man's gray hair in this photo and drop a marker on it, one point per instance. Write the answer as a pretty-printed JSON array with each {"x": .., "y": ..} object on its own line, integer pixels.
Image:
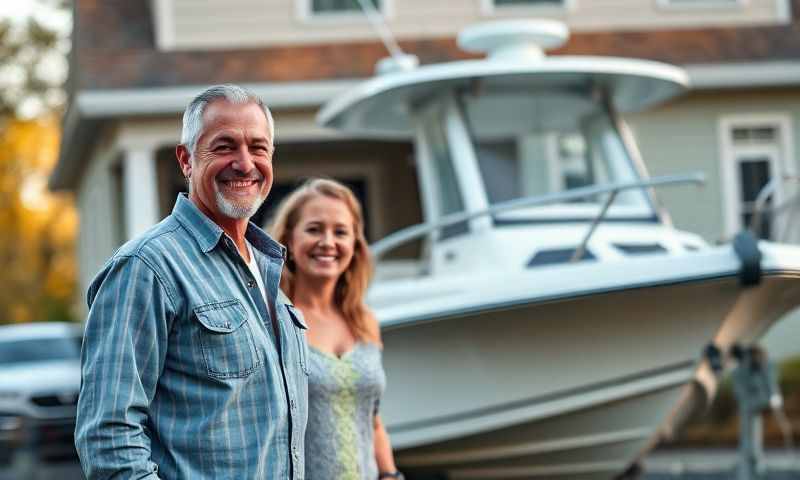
[{"x": 193, "y": 115}]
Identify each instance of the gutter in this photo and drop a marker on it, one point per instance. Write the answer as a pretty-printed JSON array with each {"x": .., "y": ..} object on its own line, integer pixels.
[{"x": 778, "y": 73}]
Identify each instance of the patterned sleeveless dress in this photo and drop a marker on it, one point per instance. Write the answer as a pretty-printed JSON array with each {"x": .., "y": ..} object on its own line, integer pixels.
[{"x": 343, "y": 397}]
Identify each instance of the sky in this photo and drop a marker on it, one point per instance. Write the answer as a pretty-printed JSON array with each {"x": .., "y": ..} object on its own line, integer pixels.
[
  {"x": 51, "y": 67},
  {"x": 19, "y": 10},
  {"x": 16, "y": 9}
]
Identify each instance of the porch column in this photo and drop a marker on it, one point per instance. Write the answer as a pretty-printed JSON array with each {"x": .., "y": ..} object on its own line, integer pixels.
[{"x": 140, "y": 185}]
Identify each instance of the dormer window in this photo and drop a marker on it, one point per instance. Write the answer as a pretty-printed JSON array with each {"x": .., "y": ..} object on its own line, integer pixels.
[
  {"x": 679, "y": 4},
  {"x": 502, "y": 3},
  {"x": 500, "y": 6},
  {"x": 325, "y": 8}
]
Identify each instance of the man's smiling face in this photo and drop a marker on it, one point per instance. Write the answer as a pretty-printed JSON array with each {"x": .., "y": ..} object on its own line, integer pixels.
[{"x": 231, "y": 169}]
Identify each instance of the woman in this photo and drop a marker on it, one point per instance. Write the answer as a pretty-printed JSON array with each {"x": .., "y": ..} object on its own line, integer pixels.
[{"x": 327, "y": 271}]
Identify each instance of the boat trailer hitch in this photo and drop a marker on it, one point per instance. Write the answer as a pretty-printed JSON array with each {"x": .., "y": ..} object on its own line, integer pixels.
[{"x": 755, "y": 384}]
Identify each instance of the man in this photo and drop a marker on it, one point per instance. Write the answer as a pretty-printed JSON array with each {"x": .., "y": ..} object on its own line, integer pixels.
[{"x": 192, "y": 366}]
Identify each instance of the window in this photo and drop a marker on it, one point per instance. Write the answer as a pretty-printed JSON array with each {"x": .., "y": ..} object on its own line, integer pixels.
[
  {"x": 501, "y": 3},
  {"x": 333, "y": 7},
  {"x": 700, "y": 3},
  {"x": 755, "y": 151},
  {"x": 755, "y": 170},
  {"x": 490, "y": 6}
]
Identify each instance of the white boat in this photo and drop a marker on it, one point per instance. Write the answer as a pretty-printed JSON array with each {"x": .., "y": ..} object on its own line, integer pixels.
[{"x": 556, "y": 325}]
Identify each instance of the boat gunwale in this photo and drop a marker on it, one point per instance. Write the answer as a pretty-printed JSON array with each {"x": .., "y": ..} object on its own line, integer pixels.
[{"x": 423, "y": 318}]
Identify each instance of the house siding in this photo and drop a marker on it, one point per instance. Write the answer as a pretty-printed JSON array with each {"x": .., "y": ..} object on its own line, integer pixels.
[
  {"x": 683, "y": 137},
  {"x": 225, "y": 24},
  {"x": 96, "y": 201}
]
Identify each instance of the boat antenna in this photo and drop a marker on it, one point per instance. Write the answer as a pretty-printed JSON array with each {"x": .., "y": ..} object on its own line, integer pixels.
[{"x": 381, "y": 28}]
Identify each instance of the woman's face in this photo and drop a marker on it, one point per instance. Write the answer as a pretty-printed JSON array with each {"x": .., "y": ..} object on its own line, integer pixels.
[{"x": 323, "y": 240}]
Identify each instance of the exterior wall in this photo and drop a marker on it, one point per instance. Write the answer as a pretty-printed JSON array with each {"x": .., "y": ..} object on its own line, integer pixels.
[
  {"x": 98, "y": 210},
  {"x": 684, "y": 137},
  {"x": 224, "y": 24}
]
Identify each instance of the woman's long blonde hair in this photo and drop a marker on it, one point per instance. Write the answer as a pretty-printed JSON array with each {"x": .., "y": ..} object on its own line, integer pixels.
[{"x": 352, "y": 284}]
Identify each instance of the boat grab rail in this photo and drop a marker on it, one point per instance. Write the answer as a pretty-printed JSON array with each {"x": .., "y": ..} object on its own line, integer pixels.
[
  {"x": 760, "y": 203},
  {"x": 405, "y": 235}
]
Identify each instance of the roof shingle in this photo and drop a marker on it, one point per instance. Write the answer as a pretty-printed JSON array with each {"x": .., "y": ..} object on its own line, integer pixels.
[{"x": 115, "y": 48}]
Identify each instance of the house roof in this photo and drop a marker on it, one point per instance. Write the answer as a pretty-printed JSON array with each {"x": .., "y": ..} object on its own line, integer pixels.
[
  {"x": 115, "y": 48},
  {"x": 115, "y": 57}
]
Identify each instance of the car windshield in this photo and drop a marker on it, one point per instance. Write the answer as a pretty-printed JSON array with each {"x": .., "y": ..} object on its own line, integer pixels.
[{"x": 38, "y": 349}]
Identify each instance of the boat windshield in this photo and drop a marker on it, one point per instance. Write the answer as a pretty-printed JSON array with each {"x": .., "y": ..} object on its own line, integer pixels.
[{"x": 536, "y": 144}]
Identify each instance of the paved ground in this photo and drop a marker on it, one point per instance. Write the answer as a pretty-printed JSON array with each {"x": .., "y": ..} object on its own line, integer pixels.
[
  {"x": 64, "y": 471},
  {"x": 660, "y": 465},
  {"x": 716, "y": 465}
]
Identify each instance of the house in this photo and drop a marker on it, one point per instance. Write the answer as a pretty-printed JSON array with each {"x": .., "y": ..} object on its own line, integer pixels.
[{"x": 135, "y": 65}]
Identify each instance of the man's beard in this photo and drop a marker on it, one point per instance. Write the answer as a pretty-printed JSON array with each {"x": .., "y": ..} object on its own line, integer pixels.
[{"x": 236, "y": 210}]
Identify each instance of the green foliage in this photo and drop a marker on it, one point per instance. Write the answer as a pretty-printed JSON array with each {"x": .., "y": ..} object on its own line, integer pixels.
[{"x": 33, "y": 61}]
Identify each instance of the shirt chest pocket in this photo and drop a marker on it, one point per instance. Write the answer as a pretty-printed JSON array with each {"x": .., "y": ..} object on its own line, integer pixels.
[{"x": 226, "y": 340}]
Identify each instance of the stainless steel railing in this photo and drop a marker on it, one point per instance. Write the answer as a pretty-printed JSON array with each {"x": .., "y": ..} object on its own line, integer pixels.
[
  {"x": 760, "y": 204},
  {"x": 401, "y": 237}
]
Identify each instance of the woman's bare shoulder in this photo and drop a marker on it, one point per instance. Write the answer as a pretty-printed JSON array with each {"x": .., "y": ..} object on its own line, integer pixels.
[{"x": 373, "y": 327}]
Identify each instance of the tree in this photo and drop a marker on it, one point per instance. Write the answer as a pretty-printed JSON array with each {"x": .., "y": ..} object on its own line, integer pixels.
[
  {"x": 37, "y": 265},
  {"x": 33, "y": 49}
]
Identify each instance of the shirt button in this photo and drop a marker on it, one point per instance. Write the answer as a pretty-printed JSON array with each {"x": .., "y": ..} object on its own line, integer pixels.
[
  {"x": 291, "y": 402},
  {"x": 251, "y": 283}
]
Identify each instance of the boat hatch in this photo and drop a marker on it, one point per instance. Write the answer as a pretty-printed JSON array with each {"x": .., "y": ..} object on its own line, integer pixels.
[
  {"x": 640, "y": 249},
  {"x": 557, "y": 256}
]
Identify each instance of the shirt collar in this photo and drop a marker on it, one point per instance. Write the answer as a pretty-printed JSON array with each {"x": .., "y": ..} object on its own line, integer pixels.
[{"x": 207, "y": 233}]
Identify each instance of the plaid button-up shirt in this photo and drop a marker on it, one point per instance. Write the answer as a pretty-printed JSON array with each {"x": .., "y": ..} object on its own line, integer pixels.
[{"x": 182, "y": 377}]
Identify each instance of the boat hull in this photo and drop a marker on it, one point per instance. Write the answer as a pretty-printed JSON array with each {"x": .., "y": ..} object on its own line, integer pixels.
[{"x": 575, "y": 388}]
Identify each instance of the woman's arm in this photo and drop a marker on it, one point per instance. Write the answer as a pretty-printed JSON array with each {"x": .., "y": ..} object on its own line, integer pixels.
[{"x": 383, "y": 448}]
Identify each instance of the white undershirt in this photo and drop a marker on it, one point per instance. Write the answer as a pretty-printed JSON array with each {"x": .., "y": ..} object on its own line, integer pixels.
[{"x": 253, "y": 266}]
